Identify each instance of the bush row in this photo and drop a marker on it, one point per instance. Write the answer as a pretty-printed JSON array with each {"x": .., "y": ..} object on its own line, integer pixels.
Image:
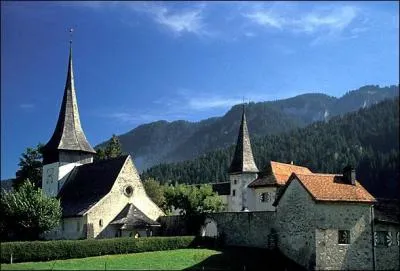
[{"x": 68, "y": 249}]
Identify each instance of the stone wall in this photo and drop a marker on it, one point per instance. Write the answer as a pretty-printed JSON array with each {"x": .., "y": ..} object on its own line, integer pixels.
[
  {"x": 266, "y": 205},
  {"x": 329, "y": 219},
  {"x": 388, "y": 257},
  {"x": 308, "y": 231},
  {"x": 251, "y": 229},
  {"x": 296, "y": 232}
]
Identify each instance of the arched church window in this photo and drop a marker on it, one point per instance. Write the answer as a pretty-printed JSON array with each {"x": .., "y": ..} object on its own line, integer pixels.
[{"x": 101, "y": 222}]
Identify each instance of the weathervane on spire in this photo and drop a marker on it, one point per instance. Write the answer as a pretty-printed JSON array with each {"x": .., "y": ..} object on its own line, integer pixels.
[{"x": 71, "y": 30}]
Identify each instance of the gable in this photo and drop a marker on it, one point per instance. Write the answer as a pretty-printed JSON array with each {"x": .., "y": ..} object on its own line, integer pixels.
[
  {"x": 294, "y": 189},
  {"x": 87, "y": 184}
]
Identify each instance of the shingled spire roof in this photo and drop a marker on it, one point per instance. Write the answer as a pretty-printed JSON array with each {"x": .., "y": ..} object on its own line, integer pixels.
[
  {"x": 243, "y": 160},
  {"x": 68, "y": 134}
]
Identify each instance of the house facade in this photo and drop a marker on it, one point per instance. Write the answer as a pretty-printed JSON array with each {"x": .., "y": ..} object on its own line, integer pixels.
[{"x": 98, "y": 199}]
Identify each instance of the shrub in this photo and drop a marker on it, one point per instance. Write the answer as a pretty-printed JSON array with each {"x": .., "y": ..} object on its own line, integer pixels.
[{"x": 67, "y": 249}]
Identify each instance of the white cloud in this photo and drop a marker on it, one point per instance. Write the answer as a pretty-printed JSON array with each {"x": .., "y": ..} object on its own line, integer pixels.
[
  {"x": 324, "y": 23},
  {"x": 336, "y": 19},
  {"x": 213, "y": 102},
  {"x": 189, "y": 20},
  {"x": 265, "y": 18}
]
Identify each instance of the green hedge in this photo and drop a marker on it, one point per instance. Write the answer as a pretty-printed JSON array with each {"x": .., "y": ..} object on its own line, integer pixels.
[{"x": 68, "y": 249}]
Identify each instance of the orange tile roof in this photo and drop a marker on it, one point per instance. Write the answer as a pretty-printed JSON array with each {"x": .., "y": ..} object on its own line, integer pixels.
[
  {"x": 282, "y": 171},
  {"x": 331, "y": 187}
]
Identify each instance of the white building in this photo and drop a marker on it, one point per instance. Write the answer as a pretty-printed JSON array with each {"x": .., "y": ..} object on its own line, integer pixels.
[{"x": 98, "y": 199}]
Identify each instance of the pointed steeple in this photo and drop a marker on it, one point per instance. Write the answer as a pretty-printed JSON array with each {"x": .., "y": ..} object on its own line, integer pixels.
[
  {"x": 243, "y": 161},
  {"x": 68, "y": 135}
]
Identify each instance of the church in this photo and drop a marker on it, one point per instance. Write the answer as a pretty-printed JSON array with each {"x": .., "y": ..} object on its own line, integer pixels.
[{"x": 98, "y": 199}]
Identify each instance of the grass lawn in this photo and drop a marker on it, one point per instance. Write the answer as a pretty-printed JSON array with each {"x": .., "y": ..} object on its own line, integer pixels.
[
  {"x": 180, "y": 259},
  {"x": 171, "y": 260}
]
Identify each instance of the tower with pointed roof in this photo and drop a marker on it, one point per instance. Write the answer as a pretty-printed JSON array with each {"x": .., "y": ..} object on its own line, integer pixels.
[
  {"x": 243, "y": 169},
  {"x": 68, "y": 146}
]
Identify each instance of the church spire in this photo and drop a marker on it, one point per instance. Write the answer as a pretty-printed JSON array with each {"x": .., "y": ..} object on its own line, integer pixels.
[
  {"x": 243, "y": 161},
  {"x": 68, "y": 135}
]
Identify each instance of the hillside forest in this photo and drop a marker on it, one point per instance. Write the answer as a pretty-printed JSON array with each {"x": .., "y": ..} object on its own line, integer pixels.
[{"x": 368, "y": 139}]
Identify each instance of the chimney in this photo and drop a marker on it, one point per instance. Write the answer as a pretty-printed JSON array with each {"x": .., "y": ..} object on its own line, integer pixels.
[{"x": 349, "y": 175}]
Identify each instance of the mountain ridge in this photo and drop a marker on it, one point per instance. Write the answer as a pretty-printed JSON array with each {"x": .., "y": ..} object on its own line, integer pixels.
[
  {"x": 367, "y": 139},
  {"x": 165, "y": 142}
]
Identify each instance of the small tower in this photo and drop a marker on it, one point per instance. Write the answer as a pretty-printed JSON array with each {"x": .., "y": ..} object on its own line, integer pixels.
[
  {"x": 68, "y": 147},
  {"x": 242, "y": 171}
]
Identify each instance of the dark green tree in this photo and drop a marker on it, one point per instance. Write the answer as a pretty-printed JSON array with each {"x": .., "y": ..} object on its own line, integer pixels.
[
  {"x": 111, "y": 150},
  {"x": 192, "y": 199},
  {"x": 27, "y": 213},
  {"x": 30, "y": 167},
  {"x": 155, "y": 191}
]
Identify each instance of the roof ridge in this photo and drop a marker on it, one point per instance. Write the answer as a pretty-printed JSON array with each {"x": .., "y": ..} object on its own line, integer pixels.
[{"x": 292, "y": 165}]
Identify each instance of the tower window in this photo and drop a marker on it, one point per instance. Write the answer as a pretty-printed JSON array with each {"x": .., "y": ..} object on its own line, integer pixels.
[
  {"x": 234, "y": 181},
  {"x": 233, "y": 192},
  {"x": 344, "y": 237}
]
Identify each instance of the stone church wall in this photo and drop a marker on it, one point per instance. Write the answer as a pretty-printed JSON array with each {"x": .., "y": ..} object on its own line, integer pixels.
[
  {"x": 113, "y": 203},
  {"x": 69, "y": 228}
]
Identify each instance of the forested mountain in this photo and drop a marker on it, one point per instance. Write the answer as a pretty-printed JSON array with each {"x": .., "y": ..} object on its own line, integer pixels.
[
  {"x": 367, "y": 139},
  {"x": 163, "y": 142}
]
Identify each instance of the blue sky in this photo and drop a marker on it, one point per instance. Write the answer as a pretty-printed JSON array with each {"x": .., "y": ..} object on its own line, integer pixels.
[{"x": 137, "y": 62}]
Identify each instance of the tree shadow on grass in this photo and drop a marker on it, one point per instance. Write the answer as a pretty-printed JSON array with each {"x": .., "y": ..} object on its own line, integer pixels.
[{"x": 244, "y": 258}]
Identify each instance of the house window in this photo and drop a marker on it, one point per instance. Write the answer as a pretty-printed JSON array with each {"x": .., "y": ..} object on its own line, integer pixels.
[
  {"x": 101, "y": 222},
  {"x": 233, "y": 192},
  {"x": 344, "y": 237},
  {"x": 383, "y": 238},
  {"x": 265, "y": 197}
]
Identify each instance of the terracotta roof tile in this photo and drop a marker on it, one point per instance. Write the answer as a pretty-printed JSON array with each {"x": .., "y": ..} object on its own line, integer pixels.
[
  {"x": 278, "y": 174},
  {"x": 283, "y": 171},
  {"x": 331, "y": 187}
]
